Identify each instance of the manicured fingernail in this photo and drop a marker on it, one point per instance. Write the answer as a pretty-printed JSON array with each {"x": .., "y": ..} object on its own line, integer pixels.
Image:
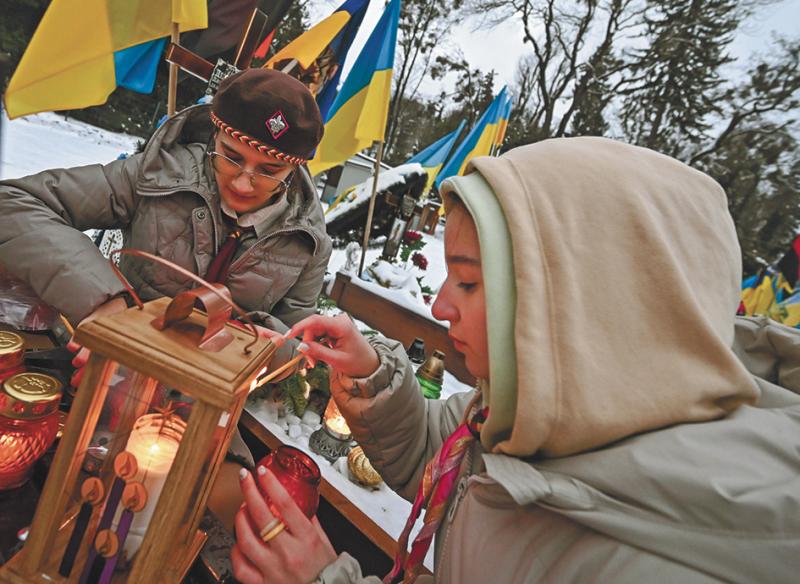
[
  {"x": 242, "y": 474},
  {"x": 302, "y": 347},
  {"x": 262, "y": 470}
]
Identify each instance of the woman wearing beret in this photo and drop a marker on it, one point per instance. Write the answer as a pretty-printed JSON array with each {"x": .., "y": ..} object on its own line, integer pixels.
[{"x": 221, "y": 190}]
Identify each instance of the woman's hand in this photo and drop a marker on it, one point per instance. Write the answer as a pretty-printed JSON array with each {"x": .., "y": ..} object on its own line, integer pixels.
[
  {"x": 336, "y": 341},
  {"x": 296, "y": 553},
  {"x": 81, "y": 353}
]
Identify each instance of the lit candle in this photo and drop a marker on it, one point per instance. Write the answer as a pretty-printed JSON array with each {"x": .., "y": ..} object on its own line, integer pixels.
[
  {"x": 334, "y": 420},
  {"x": 154, "y": 442}
]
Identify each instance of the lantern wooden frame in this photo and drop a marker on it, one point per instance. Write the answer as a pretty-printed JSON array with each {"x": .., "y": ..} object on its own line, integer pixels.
[{"x": 218, "y": 382}]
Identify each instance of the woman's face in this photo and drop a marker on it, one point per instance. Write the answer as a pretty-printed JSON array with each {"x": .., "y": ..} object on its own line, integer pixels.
[
  {"x": 461, "y": 299},
  {"x": 236, "y": 187}
]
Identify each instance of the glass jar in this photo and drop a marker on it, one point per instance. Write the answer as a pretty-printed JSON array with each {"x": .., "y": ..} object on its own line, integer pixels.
[
  {"x": 299, "y": 475},
  {"x": 28, "y": 424},
  {"x": 12, "y": 351},
  {"x": 431, "y": 374}
]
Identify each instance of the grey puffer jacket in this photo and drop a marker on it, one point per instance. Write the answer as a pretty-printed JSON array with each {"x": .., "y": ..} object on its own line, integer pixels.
[
  {"x": 165, "y": 201},
  {"x": 696, "y": 503}
]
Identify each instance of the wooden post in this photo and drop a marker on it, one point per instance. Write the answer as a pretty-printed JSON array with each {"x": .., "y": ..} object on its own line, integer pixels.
[
  {"x": 172, "y": 92},
  {"x": 371, "y": 210},
  {"x": 289, "y": 66}
]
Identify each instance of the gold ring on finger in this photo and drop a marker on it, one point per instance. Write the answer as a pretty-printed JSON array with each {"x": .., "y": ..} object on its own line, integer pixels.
[{"x": 272, "y": 529}]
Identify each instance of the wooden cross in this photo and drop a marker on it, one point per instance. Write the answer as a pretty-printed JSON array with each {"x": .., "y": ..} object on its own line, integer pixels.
[{"x": 213, "y": 74}]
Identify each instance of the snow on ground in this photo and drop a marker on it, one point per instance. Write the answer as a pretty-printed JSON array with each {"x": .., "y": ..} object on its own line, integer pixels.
[
  {"x": 433, "y": 277},
  {"x": 38, "y": 142}
]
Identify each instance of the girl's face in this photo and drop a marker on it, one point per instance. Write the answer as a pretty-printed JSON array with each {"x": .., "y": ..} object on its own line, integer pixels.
[
  {"x": 461, "y": 299},
  {"x": 241, "y": 188}
]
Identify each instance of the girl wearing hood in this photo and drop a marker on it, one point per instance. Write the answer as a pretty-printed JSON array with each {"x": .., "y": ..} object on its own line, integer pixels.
[{"x": 626, "y": 426}]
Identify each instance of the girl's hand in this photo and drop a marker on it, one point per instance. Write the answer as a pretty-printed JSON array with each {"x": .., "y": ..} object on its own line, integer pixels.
[
  {"x": 336, "y": 341},
  {"x": 296, "y": 553}
]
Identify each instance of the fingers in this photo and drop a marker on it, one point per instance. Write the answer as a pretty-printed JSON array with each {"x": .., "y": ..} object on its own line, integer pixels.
[
  {"x": 243, "y": 570},
  {"x": 73, "y": 346},
  {"x": 81, "y": 358},
  {"x": 76, "y": 378},
  {"x": 256, "y": 506},
  {"x": 249, "y": 542},
  {"x": 277, "y": 338},
  {"x": 316, "y": 326},
  {"x": 292, "y": 516},
  {"x": 79, "y": 361}
]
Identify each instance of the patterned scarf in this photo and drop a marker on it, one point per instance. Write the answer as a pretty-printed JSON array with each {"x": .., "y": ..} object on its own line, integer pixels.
[{"x": 434, "y": 493}]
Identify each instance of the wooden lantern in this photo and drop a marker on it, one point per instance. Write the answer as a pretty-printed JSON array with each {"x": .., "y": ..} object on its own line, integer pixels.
[{"x": 128, "y": 350}]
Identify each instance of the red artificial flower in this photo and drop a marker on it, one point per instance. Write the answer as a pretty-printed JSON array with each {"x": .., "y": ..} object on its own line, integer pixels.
[
  {"x": 427, "y": 298},
  {"x": 419, "y": 260},
  {"x": 411, "y": 236}
]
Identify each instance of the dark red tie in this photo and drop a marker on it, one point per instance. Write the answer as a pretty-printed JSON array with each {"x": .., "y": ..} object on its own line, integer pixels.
[{"x": 218, "y": 270}]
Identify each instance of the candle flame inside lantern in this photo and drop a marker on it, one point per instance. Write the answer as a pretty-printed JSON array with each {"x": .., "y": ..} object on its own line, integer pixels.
[{"x": 154, "y": 441}]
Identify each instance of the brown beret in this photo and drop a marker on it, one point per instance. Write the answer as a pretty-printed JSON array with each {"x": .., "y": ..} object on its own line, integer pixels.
[{"x": 269, "y": 111}]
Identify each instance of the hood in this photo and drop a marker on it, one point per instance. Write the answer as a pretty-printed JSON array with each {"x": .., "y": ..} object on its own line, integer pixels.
[{"x": 612, "y": 279}]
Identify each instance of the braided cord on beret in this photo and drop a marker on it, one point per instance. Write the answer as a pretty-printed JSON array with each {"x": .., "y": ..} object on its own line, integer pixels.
[{"x": 256, "y": 144}]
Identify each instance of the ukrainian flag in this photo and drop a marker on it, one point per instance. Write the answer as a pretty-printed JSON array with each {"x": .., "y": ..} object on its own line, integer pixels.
[
  {"x": 502, "y": 124},
  {"x": 72, "y": 60},
  {"x": 337, "y": 32},
  {"x": 433, "y": 157},
  {"x": 358, "y": 115},
  {"x": 478, "y": 142}
]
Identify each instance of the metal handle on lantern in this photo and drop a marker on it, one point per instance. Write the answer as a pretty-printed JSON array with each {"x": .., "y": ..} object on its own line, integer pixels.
[{"x": 183, "y": 272}]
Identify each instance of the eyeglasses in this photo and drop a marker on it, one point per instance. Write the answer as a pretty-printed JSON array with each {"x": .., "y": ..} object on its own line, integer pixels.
[{"x": 258, "y": 180}]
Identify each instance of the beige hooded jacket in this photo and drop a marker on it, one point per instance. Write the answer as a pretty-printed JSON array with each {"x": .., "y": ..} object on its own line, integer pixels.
[{"x": 626, "y": 440}]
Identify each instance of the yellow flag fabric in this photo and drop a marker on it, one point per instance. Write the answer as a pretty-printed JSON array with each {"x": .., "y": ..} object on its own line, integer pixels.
[
  {"x": 358, "y": 115},
  {"x": 69, "y": 62},
  {"x": 309, "y": 45}
]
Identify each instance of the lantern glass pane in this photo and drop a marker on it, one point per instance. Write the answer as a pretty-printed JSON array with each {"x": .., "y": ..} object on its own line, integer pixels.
[{"x": 133, "y": 445}]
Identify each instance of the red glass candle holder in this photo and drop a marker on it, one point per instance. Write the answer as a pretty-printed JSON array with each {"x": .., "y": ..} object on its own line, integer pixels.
[
  {"x": 299, "y": 475},
  {"x": 28, "y": 424},
  {"x": 12, "y": 352}
]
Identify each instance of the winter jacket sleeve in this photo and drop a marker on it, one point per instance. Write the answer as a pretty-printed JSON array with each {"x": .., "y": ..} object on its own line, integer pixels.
[
  {"x": 301, "y": 299},
  {"x": 400, "y": 430},
  {"x": 345, "y": 570},
  {"x": 41, "y": 219},
  {"x": 769, "y": 350}
]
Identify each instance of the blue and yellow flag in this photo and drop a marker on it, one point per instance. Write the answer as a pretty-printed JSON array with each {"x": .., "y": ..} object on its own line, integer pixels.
[
  {"x": 433, "y": 157},
  {"x": 71, "y": 61},
  {"x": 478, "y": 142},
  {"x": 358, "y": 115},
  {"x": 502, "y": 123},
  {"x": 328, "y": 41}
]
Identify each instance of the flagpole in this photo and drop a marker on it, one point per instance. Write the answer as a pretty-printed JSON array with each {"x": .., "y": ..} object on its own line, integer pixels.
[
  {"x": 368, "y": 226},
  {"x": 172, "y": 91}
]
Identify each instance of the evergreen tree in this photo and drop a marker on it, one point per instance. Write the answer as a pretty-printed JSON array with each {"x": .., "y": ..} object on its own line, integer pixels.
[{"x": 678, "y": 72}]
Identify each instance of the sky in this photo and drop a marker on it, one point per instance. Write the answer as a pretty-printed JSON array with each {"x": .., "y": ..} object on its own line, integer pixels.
[{"x": 501, "y": 47}]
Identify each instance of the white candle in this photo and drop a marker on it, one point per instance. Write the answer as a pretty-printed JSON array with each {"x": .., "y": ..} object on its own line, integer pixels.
[{"x": 154, "y": 442}]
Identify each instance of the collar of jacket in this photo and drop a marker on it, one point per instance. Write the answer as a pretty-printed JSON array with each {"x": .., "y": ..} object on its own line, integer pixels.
[{"x": 174, "y": 160}]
